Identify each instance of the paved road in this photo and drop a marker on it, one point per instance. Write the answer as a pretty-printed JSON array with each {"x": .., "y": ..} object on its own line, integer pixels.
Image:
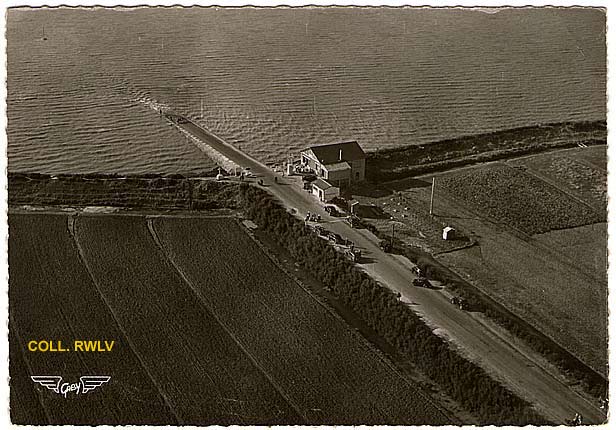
[{"x": 518, "y": 367}]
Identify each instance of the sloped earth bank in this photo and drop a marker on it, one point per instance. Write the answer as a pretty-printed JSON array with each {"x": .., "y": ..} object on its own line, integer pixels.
[{"x": 199, "y": 339}]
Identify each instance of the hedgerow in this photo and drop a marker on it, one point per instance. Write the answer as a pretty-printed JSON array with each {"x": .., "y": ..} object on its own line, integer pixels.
[{"x": 463, "y": 380}]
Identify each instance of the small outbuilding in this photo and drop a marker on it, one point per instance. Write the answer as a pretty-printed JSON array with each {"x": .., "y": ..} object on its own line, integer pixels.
[
  {"x": 449, "y": 233},
  {"x": 324, "y": 190}
]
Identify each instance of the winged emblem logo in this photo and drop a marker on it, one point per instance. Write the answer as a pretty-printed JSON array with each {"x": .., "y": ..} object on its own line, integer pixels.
[{"x": 85, "y": 384}]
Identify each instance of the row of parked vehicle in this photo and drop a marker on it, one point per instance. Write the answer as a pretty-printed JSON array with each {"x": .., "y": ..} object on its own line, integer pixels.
[{"x": 336, "y": 239}]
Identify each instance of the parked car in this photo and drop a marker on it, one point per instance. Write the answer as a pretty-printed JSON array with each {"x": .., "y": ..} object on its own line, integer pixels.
[
  {"x": 320, "y": 230},
  {"x": 353, "y": 221},
  {"x": 331, "y": 210},
  {"x": 336, "y": 238},
  {"x": 422, "y": 282},
  {"x": 385, "y": 245},
  {"x": 353, "y": 254}
]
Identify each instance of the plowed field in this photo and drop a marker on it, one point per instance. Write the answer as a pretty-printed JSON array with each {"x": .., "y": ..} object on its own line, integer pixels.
[{"x": 207, "y": 330}]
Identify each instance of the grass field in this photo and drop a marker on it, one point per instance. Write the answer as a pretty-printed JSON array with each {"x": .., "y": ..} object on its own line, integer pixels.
[
  {"x": 580, "y": 172},
  {"x": 517, "y": 199},
  {"x": 236, "y": 349},
  {"x": 585, "y": 246},
  {"x": 554, "y": 276}
]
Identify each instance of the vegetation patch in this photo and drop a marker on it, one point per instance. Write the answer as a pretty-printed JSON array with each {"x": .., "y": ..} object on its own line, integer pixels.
[
  {"x": 415, "y": 160},
  {"x": 135, "y": 192},
  {"x": 520, "y": 200},
  {"x": 464, "y": 381}
]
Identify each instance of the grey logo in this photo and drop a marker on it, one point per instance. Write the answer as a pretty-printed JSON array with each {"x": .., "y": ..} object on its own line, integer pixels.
[{"x": 85, "y": 384}]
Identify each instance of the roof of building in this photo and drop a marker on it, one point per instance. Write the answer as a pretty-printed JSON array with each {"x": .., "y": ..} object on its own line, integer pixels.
[
  {"x": 322, "y": 184},
  {"x": 330, "y": 152},
  {"x": 337, "y": 167}
]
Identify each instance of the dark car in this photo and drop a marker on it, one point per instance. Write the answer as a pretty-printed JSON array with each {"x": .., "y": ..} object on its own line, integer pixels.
[
  {"x": 353, "y": 221},
  {"x": 331, "y": 210},
  {"x": 422, "y": 282},
  {"x": 336, "y": 238},
  {"x": 320, "y": 230},
  {"x": 385, "y": 245}
]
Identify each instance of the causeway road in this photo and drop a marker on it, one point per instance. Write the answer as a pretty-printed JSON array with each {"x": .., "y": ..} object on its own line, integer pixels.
[{"x": 516, "y": 366}]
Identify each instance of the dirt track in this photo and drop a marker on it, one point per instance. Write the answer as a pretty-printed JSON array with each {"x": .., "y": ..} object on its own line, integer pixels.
[{"x": 519, "y": 368}]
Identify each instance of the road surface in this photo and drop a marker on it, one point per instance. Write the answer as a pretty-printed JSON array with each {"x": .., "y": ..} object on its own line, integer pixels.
[{"x": 519, "y": 368}]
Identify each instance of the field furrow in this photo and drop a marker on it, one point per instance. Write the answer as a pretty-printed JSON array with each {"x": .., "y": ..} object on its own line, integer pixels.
[{"x": 324, "y": 367}]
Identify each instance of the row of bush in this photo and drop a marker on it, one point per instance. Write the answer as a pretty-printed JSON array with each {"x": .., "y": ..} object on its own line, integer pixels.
[
  {"x": 464, "y": 381},
  {"x": 412, "y": 160},
  {"x": 592, "y": 382},
  {"x": 134, "y": 192}
]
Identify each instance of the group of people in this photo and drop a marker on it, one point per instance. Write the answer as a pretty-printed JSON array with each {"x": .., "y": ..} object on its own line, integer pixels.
[
  {"x": 577, "y": 420},
  {"x": 260, "y": 181},
  {"x": 312, "y": 217}
]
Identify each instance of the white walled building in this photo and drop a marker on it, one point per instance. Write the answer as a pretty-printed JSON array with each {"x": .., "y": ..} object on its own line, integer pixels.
[{"x": 340, "y": 164}]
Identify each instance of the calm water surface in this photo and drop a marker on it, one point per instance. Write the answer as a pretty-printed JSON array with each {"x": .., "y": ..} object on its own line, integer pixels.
[{"x": 84, "y": 85}]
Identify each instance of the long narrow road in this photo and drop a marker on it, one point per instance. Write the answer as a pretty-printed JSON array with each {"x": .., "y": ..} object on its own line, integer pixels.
[{"x": 517, "y": 367}]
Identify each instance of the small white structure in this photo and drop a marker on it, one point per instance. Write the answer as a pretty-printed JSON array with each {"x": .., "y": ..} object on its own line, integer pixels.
[
  {"x": 324, "y": 190},
  {"x": 290, "y": 169},
  {"x": 449, "y": 233}
]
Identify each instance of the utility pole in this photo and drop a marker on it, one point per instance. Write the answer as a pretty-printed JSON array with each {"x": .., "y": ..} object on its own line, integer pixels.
[
  {"x": 432, "y": 198},
  {"x": 393, "y": 226}
]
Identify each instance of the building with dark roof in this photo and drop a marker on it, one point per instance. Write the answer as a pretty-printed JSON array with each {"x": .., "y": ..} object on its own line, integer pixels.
[{"x": 340, "y": 163}]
